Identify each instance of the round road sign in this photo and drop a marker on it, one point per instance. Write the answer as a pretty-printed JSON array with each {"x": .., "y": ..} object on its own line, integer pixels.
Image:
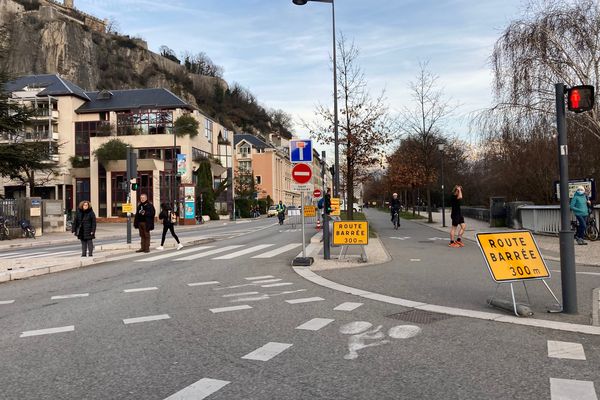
[
  {"x": 301, "y": 173},
  {"x": 317, "y": 193}
]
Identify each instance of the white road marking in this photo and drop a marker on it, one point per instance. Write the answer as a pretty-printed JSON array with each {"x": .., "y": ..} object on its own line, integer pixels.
[
  {"x": 146, "y": 319},
  {"x": 415, "y": 259},
  {"x": 278, "y": 251},
  {"x": 232, "y": 308},
  {"x": 144, "y": 289},
  {"x": 243, "y": 252},
  {"x": 569, "y": 389},
  {"x": 6, "y": 302},
  {"x": 569, "y": 350},
  {"x": 59, "y": 253},
  {"x": 348, "y": 306},
  {"x": 203, "y": 283},
  {"x": 277, "y": 284},
  {"x": 268, "y": 280},
  {"x": 255, "y": 298},
  {"x": 235, "y": 286},
  {"x": 305, "y": 300},
  {"x": 239, "y": 294},
  {"x": 6, "y": 255},
  {"x": 199, "y": 390},
  {"x": 315, "y": 324},
  {"x": 48, "y": 331},
  {"x": 400, "y": 238},
  {"x": 69, "y": 296},
  {"x": 174, "y": 253},
  {"x": 208, "y": 253},
  {"x": 253, "y": 278},
  {"x": 287, "y": 292},
  {"x": 268, "y": 351},
  {"x": 26, "y": 255},
  {"x": 582, "y": 272}
]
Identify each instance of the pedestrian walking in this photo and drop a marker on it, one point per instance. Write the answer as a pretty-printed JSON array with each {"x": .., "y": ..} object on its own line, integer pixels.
[
  {"x": 169, "y": 219},
  {"x": 458, "y": 221},
  {"x": 84, "y": 226},
  {"x": 579, "y": 206},
  {"x": 144, "y": 222}
]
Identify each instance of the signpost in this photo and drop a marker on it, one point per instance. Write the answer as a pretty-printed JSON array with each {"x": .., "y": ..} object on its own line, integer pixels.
[
  {"x": 317, "y": 193},
  {"x": 513, "y": 257},
  {"x": 310, "y": 211},
  {"x": 351, "y": 233},
  {"x": 301, "y": 153},
  {"x": 335, "y": 206}
]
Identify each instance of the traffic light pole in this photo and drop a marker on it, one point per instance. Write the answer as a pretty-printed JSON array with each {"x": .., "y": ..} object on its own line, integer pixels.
[
  {"x": 567, "y": 247},
  {"x": 326, "y": 245}
]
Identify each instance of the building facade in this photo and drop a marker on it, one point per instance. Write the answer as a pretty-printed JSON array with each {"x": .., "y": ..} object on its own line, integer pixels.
[{"x": 75, "y": 123}]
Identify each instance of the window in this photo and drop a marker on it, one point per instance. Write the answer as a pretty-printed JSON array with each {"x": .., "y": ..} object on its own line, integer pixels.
[
  {"x": 225, "y": 134},
  {"x": 208, "y": 129},
  {"x": 258, "y": 179},
  {"x": 244, "y": 151},
  {"x": 200, "y": 155},
  {"x": 245, "y": 166},
  {"x": 82, "y": 190},
  {"x": 144, "y": 122}
]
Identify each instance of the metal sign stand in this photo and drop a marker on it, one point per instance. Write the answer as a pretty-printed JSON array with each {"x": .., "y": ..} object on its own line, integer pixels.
[
  {"x": 514, "y": 301},
  {"x": 303, "y": 261},
  {"x": 344, "y": 253}
]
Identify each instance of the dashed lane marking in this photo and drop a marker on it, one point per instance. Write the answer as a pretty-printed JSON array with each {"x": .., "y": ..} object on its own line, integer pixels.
[
  {"x": 232, "y": 308},
  {"x": 276, "y": 252},
  {"x": 144, "y": 289},
  {"x": 315, "y": 324},
  {"x": 415, "y": 259},
  {"x": 570, "y": 389},
  {"x": 208, "y": 253},
  {"x": 243, "y": 252},
  {"x": 145, "y": 319},
  {"x": 277, "y": 284},
  {"x": 253, "y": 278},
  {"x": 239, "y": 294},
  {"x": 176, "y": 253},
  {"x": 348, "y": 306},
  {"x": 268, "y": 280},
  {"x": 48, "y": 331},
  {"x": 568, "y": 350},
  {"x": 199, "y": 390},
  {"x": 203, "y": 283},
  {"x": 3, "y": 302},
  {"x": 304, "y": 300},
  {"x": 69, "y": 296},
  {"x": 268, "y": 351}
]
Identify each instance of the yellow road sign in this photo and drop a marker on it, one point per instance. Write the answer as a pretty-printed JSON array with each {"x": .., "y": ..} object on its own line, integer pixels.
[
  {"x": 350, "y": 232},
  {"x": 310, "y": 211},
  {"x": 127, "y": 207},
  {"x": 512, "y": 256},
  {"x": 335, "y": 206}
]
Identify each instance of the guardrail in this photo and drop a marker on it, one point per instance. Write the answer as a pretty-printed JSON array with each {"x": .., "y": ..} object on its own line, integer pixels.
[{"x": 545, "y": 219}]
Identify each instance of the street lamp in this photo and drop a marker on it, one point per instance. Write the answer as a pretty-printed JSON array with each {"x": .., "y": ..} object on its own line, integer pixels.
[
  {"x": 441, "y": 149},
  {"x": 336, "y": 175}
]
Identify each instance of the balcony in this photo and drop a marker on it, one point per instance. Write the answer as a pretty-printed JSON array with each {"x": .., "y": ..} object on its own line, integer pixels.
[{"x": 43, "y": 114}]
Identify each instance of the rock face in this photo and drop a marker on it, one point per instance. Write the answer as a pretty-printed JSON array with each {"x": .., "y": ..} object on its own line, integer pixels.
[{"x": 39, "y": 41}]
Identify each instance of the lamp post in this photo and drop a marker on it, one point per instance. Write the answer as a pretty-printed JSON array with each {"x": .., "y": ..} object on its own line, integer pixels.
[
  {"x": 336, "y": 175},
  {"x": 441, "y": 149}
]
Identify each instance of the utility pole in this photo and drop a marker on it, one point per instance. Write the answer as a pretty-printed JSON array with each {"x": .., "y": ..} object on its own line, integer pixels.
[
  {"x": 326, "y": 244},
  {"x": 131, "y": 173}
]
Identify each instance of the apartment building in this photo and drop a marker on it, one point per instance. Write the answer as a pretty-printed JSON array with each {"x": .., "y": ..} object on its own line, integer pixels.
[{"x": 76, "y": 123}]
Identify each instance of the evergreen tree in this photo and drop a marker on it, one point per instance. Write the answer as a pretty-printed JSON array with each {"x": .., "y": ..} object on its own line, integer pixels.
[{"x": 204, "y": 187}]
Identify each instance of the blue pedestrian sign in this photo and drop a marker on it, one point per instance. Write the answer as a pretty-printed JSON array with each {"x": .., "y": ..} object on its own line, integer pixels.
[{"x": 301, "y": 151}]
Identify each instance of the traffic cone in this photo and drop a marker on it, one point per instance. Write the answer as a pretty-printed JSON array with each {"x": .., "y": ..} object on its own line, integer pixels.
[{"x": 318, "y": 227}]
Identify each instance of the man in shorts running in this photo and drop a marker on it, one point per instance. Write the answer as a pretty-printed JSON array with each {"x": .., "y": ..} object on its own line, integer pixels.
[{"x": 458, "y": 221}]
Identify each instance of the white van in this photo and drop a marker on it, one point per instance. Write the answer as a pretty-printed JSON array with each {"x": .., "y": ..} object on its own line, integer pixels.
[{"x": 355, "y": 207}]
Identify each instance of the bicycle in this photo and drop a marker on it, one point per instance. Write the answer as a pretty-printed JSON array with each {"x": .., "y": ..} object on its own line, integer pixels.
[
  {"x": 591, "y": 229},
  {"x": 396, "y": 219}
]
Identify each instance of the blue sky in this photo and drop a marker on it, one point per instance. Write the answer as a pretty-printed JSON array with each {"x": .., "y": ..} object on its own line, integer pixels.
[{"x": 281, "y": 51}]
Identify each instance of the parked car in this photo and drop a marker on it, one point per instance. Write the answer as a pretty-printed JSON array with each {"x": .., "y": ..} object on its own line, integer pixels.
[
  {"x": 272, "y": 211},
  {"x": 355, "y": 207}
]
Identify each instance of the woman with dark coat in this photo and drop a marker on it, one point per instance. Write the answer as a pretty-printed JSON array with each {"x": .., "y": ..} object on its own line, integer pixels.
[
  {"x": 84, "y": 226},
  {"x": 168, "y": 218}
]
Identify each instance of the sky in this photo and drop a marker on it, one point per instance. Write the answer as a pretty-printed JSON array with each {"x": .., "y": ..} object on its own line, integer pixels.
[{"x": 281, "y": 52}]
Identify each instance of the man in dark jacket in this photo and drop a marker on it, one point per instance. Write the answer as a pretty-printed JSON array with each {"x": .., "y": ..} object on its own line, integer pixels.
[{"x": 144, "y": 222}]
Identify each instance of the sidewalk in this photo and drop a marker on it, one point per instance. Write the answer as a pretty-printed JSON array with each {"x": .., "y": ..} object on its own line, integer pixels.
[
  {"x": 425, "y": 274},
  {"x": 14, "y": 268}
]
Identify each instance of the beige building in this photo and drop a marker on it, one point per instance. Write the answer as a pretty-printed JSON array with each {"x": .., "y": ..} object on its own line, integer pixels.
[{"x": 75, "y": 123}]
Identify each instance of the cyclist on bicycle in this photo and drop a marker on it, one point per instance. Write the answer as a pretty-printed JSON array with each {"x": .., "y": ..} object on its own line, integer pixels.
[{"x": 395, "y": 205}]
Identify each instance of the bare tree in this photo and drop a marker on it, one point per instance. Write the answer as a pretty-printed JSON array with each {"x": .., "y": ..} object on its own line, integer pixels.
[
  {"x": 201, "y": 64},
  {"x": 366, "y": 128},
  {"x": 423, "y": 126}
]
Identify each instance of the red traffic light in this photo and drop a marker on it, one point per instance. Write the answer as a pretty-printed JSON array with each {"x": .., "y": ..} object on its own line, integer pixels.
[{"x": 580, "y": 98}]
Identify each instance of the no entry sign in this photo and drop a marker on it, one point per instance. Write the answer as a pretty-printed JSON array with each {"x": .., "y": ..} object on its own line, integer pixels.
[
  {"x": 317, "y": 193},
  {"x": 301, "y": 173}
]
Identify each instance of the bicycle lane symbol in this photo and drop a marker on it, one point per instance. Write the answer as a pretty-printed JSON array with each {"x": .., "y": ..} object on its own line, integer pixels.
[{"x": 362, "y": 336}]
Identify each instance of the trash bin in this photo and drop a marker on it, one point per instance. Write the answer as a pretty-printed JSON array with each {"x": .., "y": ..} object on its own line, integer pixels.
[{"x": 497, "y": 212}]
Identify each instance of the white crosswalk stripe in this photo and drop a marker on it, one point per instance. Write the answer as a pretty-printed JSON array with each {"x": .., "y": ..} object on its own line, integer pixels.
[
  {"x": 25, "y": 255},
  {"x": 174, "y": 253},
  {"x": 267, "y": 352},
  {"x": 570, "y": 389},
  {"x": 348, "y": 306},
  {"x": 567, "y": 350},
  {"x": 243, "y": 252},
  {"x": 208, "y": 253},
  {"x": 304, "y": 300},
  {"x": 315, "y": 324},
  {"x": 253, "y": 278},
  {"x": 199, "y": 390},
  {"x": 278, "y": 251},
  {"x": 59, "y": 253}
]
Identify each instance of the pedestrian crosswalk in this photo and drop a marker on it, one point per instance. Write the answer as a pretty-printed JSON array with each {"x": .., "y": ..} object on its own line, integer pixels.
[
  {"x": 224, "y": 252},
  {"x": 22, "y": 255}
]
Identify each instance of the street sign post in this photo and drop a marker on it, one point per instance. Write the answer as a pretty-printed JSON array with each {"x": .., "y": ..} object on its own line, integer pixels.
[
  {"x": 301, "y": 151},
  {"x": 302, "y": 174},
  {"x": 335, "y": 206}
]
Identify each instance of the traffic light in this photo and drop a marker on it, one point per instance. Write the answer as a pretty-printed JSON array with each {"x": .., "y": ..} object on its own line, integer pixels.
[
  {"x": 134, "y": 187},
  {"x": 580, "y": 98},
  {"x": 332, "y": 170}
]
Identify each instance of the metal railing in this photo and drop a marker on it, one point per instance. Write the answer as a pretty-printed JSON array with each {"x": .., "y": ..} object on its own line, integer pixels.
[{"x": 545, "y": 219}]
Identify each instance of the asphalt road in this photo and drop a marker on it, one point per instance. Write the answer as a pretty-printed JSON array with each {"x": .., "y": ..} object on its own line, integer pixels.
[{"x": 257, "y": 350}]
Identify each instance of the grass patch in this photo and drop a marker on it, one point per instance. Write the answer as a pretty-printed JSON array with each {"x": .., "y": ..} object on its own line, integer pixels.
[{"x": 404, "y": 214}]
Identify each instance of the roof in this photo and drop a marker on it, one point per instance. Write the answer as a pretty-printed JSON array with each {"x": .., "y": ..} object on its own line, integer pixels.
[
  {"x": 116, "y": 100},
  {"x": 253, "y": 140},
  {"x": 53, "y": 85}
]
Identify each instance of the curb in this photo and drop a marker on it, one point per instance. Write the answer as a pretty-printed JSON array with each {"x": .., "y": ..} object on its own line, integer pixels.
[{"x": 80, "y": 263}]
